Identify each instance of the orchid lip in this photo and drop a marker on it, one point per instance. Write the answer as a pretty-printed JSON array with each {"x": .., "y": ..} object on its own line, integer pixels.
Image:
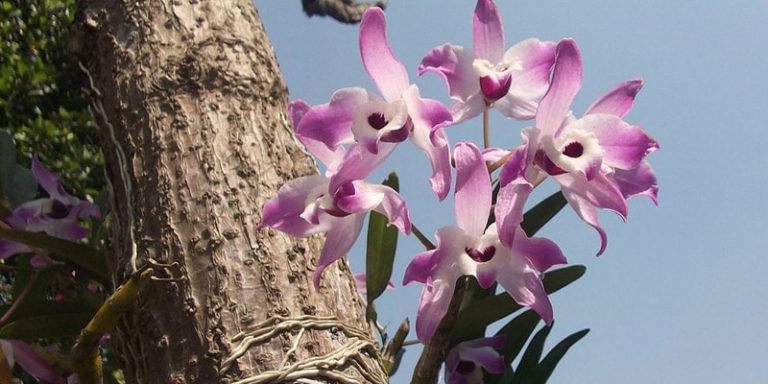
[
  {"x": 481, "y": 256},
  {"x": 377, "y": 120},
  {"x": 465, "y": 367},
  {"x": 546, "y": 164},
  {"x": 400, "y": 134},
  {"x": 574, "y": 149}
]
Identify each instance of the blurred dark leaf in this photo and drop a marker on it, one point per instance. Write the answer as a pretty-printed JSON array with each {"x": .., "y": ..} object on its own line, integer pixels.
[{"x": 78, "y": 254}]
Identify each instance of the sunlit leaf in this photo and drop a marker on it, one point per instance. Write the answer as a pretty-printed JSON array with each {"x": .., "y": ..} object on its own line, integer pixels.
[{"x": 382, "y": 244}]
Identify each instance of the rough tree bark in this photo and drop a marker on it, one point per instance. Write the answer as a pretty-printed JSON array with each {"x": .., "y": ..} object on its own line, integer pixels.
[{"x": 192, "y": 110}]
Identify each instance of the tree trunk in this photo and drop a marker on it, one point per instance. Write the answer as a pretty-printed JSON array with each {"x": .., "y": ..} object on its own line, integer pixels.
[{"x": 192, "y": 109}]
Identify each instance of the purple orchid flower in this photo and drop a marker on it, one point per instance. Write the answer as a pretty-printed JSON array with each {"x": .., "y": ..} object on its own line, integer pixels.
[
  {"x": 335, "y": 203},
  {"x": 57, "y": 215},
  {"x": 21, "y": 353},
  {"x": 467, "y": 360},
  {"x": 598, "y": 160},
  {"x": 378, "y": 124},
  {"x": 471, "y": 249},
  {"x": 512, "y": 81}
]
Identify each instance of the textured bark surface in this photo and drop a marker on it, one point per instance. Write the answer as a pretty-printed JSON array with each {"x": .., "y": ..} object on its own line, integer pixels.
[{"x": 189, "y": 93}]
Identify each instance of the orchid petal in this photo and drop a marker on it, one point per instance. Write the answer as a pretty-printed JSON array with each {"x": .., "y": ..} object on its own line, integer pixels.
[
  {"x": 429, "y": 117},
  {"x": 516, "y": 107},
  {"x": 10, "y": 248},
  {"x": 420, "y": 268},
  {"x": 618, "y": 101},
  {"x": 513, "y": 193},
  {"x": 31, "y": 362},
  {"x": 526, "y": 289},
  {"x": 454, "y": 64},
  {"x": 389, "y": 75},
  {"x": 536, "y": 58},
  {"x": 284, "y": 211},
  {"x": 433, "y": 305},
  {"x": 473, "y": 190},
  {"x": 357, "y": 197},
  {"x": 566, "y": 82},
  {"x": 296, "y": 110},
  {"x": 542, "y": 253},
  {"x": 484, "y": 354},
  {"x": 338, "y": 241},
  {"x": 625, "y": 145},
  {"x": 468, "y": 109},
  {"x": 51, "y": 183},
  {"x": 393, "y": 207},
  {"x": 487, "y": 31},
  {"x": 585, "y": 197},
  {"x": 637, "y": 181},
  {"x": 358, "y": 163},
  {"x": 331, "y": 123}
]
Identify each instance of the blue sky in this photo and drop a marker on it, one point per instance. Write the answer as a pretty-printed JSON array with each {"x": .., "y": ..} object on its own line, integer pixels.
[{"x": 681, "y": 294}]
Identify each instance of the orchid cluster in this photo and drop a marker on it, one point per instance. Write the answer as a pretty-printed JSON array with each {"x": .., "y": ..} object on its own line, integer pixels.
[{"x": 597, "y": 159}]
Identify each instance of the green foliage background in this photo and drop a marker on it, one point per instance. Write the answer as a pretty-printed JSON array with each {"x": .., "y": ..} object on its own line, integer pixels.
[{"x": 40, "y": 102}]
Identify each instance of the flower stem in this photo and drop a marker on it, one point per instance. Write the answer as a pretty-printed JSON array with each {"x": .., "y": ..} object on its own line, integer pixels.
[
  {"x": 424, "y": 240},
  {"x": 486, "y": 128}
]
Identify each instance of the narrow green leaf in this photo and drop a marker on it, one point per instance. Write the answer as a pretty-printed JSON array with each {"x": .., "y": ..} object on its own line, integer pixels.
[
  {"x": 380, "y": 253},
  {"x": 482, "y": 313},
  {"x": 547, "y": 366},
  {"x": 59, "y": 325},
  {"x": 518, "y": 330},
  {"x": 531, "y": 357},
  {"x": 544, "y": 211},
  {"x": 79, "y": 254}
]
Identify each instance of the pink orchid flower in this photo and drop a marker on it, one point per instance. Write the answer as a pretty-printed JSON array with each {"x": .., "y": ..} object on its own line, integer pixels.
[
  {"x": 512, "y": 81},
  {"x": 471, "y": 249},
  {"x": 378, "y": 124},
  {"x": 57, "y": 215},
  {"x": 598, "y": 159},
  {"x": 21, "y": 353},
  {"x": 335, "y": 203},
  {"x": 467, "y": 360}
]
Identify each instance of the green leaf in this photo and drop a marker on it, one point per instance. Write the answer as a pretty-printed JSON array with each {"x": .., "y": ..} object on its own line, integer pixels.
[
  {"x": 544, "y": 211},
  {"x": 382, "y": 244},
  {"x": 58, "y": 325},
  {"x": 531, "y": 357},
  {"x": 518, "y": 330},
  {"x": 547, "y": 366},
  {"x": 81, "y": 255},
  {"x": 482, "y": 313}
]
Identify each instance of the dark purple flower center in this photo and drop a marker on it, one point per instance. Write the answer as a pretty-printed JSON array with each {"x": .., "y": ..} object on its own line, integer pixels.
[
  {"x": 481, "y": 257},
  {"x": 58, "y": 210},
  {"x": 545, "y": 163},
  {"x": 574, "y": 149},
  {"x": 465, "y": 367},
  {"x": 377, "y": 120}
]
